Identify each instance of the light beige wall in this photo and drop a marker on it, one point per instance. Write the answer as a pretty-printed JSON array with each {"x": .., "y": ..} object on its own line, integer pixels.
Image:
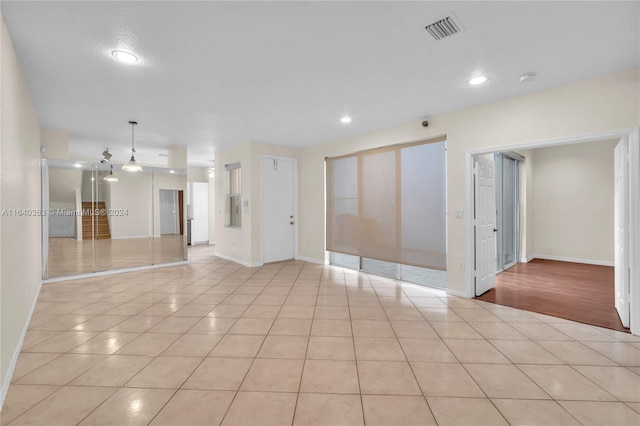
[
  {"x": 197, "y": 174},
  {"x": 133, "y": 193},
  {"x": 177, "y": 157},
  {"x": 234, "y": 243},
  {"x": 573, "y": 201},
  {"x": 63, "y": 184},
  {"x": 55, "y": 143},
  {"x": 606, "y": 103},
  {"x": 20, "y": 237}
]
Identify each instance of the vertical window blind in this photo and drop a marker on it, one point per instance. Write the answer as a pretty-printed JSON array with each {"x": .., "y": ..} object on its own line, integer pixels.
[
  {"x": 234, "y": 195},
  {"x": 389, "y": 204}
]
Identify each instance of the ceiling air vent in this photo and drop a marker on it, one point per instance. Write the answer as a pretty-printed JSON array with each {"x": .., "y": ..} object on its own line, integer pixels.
[{"x": 445, "y": 27}]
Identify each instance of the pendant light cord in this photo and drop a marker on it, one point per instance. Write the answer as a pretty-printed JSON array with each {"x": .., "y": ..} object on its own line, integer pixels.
[{"x": 133, "y": 149}]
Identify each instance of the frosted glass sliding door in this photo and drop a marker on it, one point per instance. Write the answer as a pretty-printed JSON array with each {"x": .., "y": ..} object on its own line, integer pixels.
[
  {"x": 388, "y": 204},
  {"x": 508, "y": 211}
]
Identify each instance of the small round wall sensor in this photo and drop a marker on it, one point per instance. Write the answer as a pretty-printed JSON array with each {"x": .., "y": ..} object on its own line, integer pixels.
[{"x": 525, "y": 78}]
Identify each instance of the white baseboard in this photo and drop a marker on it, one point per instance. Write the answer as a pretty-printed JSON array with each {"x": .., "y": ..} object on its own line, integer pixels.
[
  {"x": 114, "y": 272},
  {"x": 527, "y": 259},
  {"x": 241, "y": 262},
  {"x": 132, "y": 237},
  {"x": 458, "y": 293},
  {"x": 312, "y": 260},
  {"x": 574, "y": 260},
  {"x": 16, "y": 354}
]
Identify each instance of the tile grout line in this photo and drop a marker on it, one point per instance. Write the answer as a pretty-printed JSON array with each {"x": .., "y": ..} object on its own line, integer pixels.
[
  {"x": 304, "y": 360},
  {"x": 265, "y": 338},
  {"x": 184, "y": 296},
  {"x": 355, "y": 354}
]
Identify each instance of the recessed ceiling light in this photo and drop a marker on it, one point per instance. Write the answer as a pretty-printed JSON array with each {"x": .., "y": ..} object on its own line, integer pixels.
[
  {"x": 172, "y": 171},
  {"x": 477, "y": 80},
  {"x": 126, "y": 57},
  {"x": 77, "y": 165},
  {"x": 345, "y": 119}
]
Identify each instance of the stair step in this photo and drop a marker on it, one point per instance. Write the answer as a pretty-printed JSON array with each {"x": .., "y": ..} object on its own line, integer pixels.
[{"x": 99, "y": 221}]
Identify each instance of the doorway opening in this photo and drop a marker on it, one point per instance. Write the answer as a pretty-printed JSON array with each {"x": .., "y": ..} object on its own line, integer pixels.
[
  {"x": 171, "y": 212},
  {"x": 569, "y": 250}
]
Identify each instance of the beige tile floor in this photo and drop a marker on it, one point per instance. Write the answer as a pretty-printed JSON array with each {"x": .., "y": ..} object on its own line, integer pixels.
[{"x": 213, "y": 343}]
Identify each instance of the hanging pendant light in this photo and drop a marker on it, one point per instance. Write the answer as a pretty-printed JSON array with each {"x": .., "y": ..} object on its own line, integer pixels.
[
  {"x": 110, "y": 177},
  {"x": 132, "y": 166}
]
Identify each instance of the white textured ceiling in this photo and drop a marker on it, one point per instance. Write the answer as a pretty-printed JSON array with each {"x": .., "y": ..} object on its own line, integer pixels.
[{"x": 215, "y": 74}]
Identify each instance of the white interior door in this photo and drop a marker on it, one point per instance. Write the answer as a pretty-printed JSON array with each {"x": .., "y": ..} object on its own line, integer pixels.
[
  {"x": 621, "y": 223},
  {"x": 278, "y": 207},
  {"x": 485, "y": 225},
  {"x": 200, "y": 222},
  {"x": 168, "y": 211}
]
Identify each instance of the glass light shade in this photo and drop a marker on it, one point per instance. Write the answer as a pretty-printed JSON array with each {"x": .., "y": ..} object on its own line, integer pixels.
[
  {"x": 132, "y": 166},
  {"x": 110, "y": 178}
]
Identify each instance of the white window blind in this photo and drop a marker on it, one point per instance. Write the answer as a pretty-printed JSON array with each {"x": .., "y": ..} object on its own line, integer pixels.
[{"x": 389, "y": 204}]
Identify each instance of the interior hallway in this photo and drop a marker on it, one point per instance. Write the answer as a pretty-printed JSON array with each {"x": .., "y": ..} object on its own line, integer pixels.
[
  {"x": 296, "y": 343},
  {"x": 574, "y": 291}
]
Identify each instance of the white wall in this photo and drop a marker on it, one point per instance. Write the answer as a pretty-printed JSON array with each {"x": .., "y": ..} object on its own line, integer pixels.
[
  {"x": 212, "y": 208},
  {"x": 573, "y": 202},
  {"x": 20, "y": 237},
  {"x": 201, "y": 174},
  {"x": 606, "y": 103}
]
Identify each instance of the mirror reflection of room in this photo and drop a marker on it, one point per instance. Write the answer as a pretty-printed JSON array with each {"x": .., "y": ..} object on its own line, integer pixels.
[
  {"x": 169, "y": 216},
  {"x": 69, "y": 251},
  {"x": 100, "y": 219}
]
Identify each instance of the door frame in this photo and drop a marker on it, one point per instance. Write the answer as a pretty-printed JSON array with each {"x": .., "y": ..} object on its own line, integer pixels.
[
  {"x": 295, "y": 203},
  {"x": 621, "y": 216},
  {"x": 634, "y": 206}
]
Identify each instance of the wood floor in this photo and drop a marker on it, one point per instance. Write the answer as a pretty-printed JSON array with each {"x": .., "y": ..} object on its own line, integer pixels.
[
  {"x": 68, "y": 257},
  {"x": 574, "y": 291}
]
